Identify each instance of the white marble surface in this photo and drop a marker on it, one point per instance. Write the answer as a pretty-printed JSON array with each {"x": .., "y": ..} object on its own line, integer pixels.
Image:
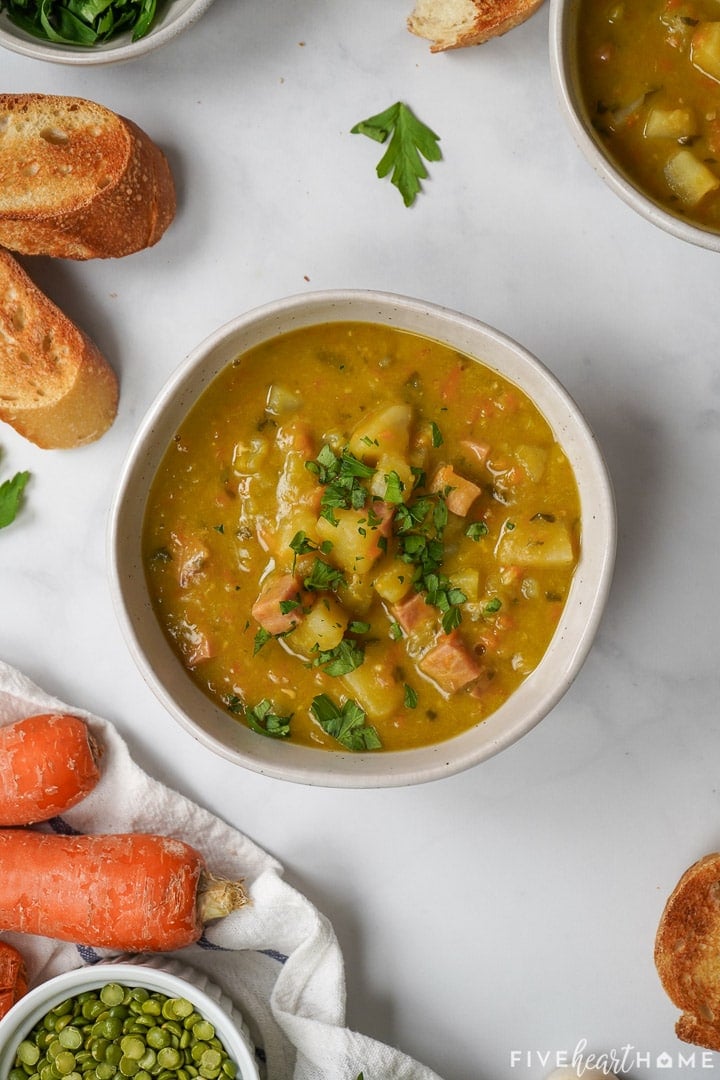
[{"x": 511, "y": 908}]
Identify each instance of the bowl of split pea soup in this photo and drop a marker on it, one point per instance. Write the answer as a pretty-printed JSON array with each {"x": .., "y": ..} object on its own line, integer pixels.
[
  {"x": 361, "y": 540},
  {"x": 639, "y": 84},
  {"x": 142, "y": 1018}
]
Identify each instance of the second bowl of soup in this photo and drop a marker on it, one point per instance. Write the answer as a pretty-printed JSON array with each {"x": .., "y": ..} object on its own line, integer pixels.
[
  {"x": 361, "y": 540},
  {"x": 640, "y": 85}
]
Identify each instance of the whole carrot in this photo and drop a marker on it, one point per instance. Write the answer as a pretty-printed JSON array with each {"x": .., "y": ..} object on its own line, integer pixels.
[
  {"x": 13, "y": 977},
  {"x": 133, "y": 892},
  {"x": 48, "y": 763}
]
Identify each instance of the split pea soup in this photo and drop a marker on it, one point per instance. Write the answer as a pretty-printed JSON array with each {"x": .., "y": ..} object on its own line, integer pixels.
[
  {"x": 360, "y": 539},
  {"x": 649, "y": 73}
]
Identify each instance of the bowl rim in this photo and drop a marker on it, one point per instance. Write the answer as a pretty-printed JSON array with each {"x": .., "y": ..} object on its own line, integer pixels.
[
  {"x": 560, "y": 47},
  {"x": 113, "y": 52},
  {"x": 337, "y": 768},
  {"x": 26, "y": 1012}
]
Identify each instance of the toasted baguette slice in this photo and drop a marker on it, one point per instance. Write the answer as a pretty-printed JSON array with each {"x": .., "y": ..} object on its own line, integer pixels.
[
  {"x": 453, "y": 24},
  {"x": 77, "y": 181},
  {"x": 55, "y": 387},
  {"x": 687, "y": 952}
]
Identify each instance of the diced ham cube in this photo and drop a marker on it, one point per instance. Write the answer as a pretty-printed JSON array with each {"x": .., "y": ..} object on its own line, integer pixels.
[
  {"x": 411, "y": 611},
  {"x": 267, "y": 610},
  {"x": 450, "y": 664},
  {"x": 460, "y": 493}
]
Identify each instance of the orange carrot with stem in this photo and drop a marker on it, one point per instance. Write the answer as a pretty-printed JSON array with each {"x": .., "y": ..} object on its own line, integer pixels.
[
  {"x": 13, "y": 977},
  {"x": 133, "y": 892},
  {"x": 48, "y": 763}
]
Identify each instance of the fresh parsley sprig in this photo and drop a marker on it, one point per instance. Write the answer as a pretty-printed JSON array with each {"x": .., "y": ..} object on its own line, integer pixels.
[
  {"x": 11, "y": 493},
  {"x": 410, "y": 142}
]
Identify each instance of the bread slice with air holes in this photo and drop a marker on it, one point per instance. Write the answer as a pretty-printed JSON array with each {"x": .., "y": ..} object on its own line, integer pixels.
[
  {"x": 453, "y": 24},
  {"x": 56, "y": 388},
  {"x": 687, "y": 952},
  {"x": 78, "y": 181}
]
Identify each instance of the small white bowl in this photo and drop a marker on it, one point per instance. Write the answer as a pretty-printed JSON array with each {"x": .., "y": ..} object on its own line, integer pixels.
[
  {"x": 164, "y": 976},
  {"x": 564, "y": 69},
  {"x": 535, "y": 697},
  {"x": 174, "y": 17}
]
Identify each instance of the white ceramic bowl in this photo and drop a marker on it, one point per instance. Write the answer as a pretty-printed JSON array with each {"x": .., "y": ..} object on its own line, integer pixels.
[
  {"x": 564, "y": 69},
  {"x": 535, "y": 697},
  {"x": 174, "y": 17},
  {"x": 164, "y": 976}
]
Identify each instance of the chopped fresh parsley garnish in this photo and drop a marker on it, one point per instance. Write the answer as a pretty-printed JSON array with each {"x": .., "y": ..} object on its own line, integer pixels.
[
  {"x": 396, "y": 631},
  {"x": 476, "y": 530},
  {"x": 437, "y": 439},
  {"x": 341, "y": 475},
  {"x": 261, "y": 638},
  {"x": 411, "y": 698},
  {"x": 323, "y": 576},
  {"x": 286, "y": 606},
  {"x": 261, "y": 718},
  {"x": 410, "y": 142},
  {"x": 492, "y": 606},
  {"x": 357, "y": 627},
  {"x": 345, "y": 723},
  {"x": 11, "y": 492},
  {"x": 340, "y": 660},
  {"x": 394, "y": 488},
  {"x": 265, "y": 722}
]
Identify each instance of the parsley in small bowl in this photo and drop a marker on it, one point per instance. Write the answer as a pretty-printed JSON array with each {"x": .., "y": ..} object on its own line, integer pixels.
[{"x": 93, "y": 31}]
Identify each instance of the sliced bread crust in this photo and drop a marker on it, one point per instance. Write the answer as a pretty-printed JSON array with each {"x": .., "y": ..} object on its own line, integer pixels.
[
  {"x": 455, "y": 24},
  {"x": 687, "y": 952},
  {"x": 78, "y": 181},
  {"x": 56, "y": 388}
]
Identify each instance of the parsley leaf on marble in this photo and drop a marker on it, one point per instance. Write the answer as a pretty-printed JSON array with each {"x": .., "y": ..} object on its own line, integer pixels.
[
  {"x": 410, "y": 142},
  {"x": 11, "y": 492}
]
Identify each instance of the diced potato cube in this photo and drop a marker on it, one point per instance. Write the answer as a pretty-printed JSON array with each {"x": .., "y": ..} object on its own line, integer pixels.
[
  {"x": 248, "y": 457},
  {"x": 393, "y": 581},
  {"x": 533, "y": 460},
  {"x": 355, "y": 540},
  {"x": 322, "y": 628},
  {"x": 705, "y": 49},
  {"x": 302, "y": 519},
  {"x": 384, "y": 431},
  {"x": 468, "y": 581},
  {"x": 536, "y": 543},
  {"x": 375, "y": 685},
  {"x": 671, "y": 124},
  {"x": 689, "y": 178},
  {"x": 280, "y": 399},
  {"x": 357, "y": 593}
]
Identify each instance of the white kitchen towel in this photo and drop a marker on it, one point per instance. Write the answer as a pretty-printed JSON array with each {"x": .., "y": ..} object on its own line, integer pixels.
[{"x": 278, "y": 960}]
